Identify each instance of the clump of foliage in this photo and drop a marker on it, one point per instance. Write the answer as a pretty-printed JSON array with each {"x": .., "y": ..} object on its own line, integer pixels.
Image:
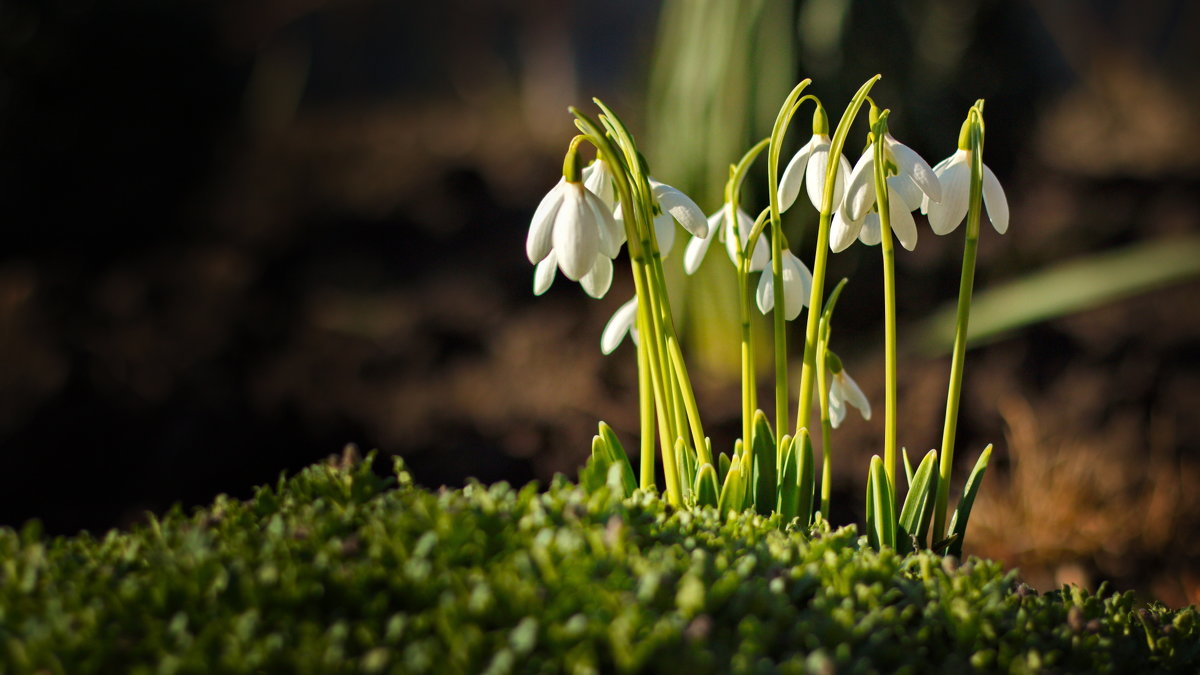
[{"x": 340, "y": 569}]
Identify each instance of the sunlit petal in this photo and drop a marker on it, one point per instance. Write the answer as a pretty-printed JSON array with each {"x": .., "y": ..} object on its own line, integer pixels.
[
  {"x": 681, "y": 207},
  {"x": 955, "y": 177},
  {"x": 997, "y": 203},
  {"x": 541, "y": 227},
  {"x": 842, "y": 231},
  {"x": 911, "y": 164},
  {"x": 576, "y": 234},
  {"x": 794, "y": 174},
  {"x": 622, "y": 322},
  {"x": 860, "y": 190},
  {"x": 664, "y": 232},
  {"x": 543, "y": 274}
]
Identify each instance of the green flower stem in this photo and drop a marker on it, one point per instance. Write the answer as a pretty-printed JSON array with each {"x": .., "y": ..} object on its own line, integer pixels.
[
  {"x": 837, "y": 142},
  {"x": 781, "y": 371},
  {"x": 732, "y": 201},
  {"x": 645, "y": 416},
  {"x": 826, "y": 434},
  {"x": 962, "y": 317},
  {"x": 647, "y": 332},
  {"x": 889, "y": 301}
]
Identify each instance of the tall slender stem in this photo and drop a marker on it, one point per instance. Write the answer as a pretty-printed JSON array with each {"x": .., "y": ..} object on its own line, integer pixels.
[
  {"x": 826, "y": 439},
  {"x": 646, "y": 417},
  {"x": 883, "y": 202},
  {"x": 962, "y": 318},
  {"x": 749, "y": 384}
]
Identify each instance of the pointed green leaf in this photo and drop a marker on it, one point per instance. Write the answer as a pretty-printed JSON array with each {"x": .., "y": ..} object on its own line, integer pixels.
[
  {"x": 722, "y": 468},
  {"x": 706, "y": 486},
  {"x": 919, "y": 495},
  {"x": 617, "y": 455},
  {"x": 872, "y": 530},
  {"x": 908, "y": 470},
  {"x": 883, "y": 503},
  {"x": 806, "y": 477},
  {"x": 765, "y": 478},
  {"x": 733, "y": 492},
  {"x": 686, "y": 461},
  {"x": 958, "y": 522},
  {"x": 788, "y": 484},
  {"x": 595, "y": 471}
]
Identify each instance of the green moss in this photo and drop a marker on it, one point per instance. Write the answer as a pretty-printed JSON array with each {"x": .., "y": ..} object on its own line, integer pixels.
[{"x": 346, "y": 571}]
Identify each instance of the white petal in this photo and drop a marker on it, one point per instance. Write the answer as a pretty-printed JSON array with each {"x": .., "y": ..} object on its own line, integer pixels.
[
  {"x": 910, "y": 163},
  {"x": 541, "y": 227},
  {"x": 842, "y": 231},
  {"x": 697, "y": 247},
  {"x": 762, "y": 250},
  {"x": 908, "y": 191},
  {"x": 764, "y": 295},
  {"x": 860, "y": 190},
  {"x": 837, "y": 406},
  {"x": 818, "y": 167},
  {"x": 794, "y": 173},
  {"x": 543, "y": 275},
  {"x": 664, "y": 232},
  {"x": 870, "y": 234},
  {"x": 955, "y": 177},
  {"x": 681, "y": 207},
  {"x": 597, "y": 281},
  {"x": 622, "y": 322},
  {"x": 903, "y": 225},
  {"x": 612, "y": 233},
  {"x": 997, "y": 203},
  {"x": 854, "y": 395},
  {"x": 797, "y": 285},
  {"x": 598, "y": 179},
  {"x": 576, "y": 235}
]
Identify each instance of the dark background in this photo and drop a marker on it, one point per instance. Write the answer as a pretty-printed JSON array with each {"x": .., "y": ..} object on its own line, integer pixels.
[{"x": 239, "y": 235}]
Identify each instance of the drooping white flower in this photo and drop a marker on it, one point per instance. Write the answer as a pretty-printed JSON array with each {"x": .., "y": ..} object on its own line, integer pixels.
[
  {"x": 720, "y": 222},
  {"x": 954, "y": 173},
  {"x": 797, "y": 285},
  {"x": 860, "y": 192},
  {"x": 623, "y": 321},
  {"x": 681, "y": 207},
  {"x": 843, "y": 231},
  {"x": 599, "y": 179},
  {"x": 577, "y": 226},
  {"x": 664, "y": 229},
  {"x": 844, "y": 390},
  {"x": 809, "y": 166},
  {"x": 595, "y": 283}
]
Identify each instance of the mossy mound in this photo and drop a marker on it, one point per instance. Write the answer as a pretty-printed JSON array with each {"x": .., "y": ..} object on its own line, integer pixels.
[{"x": 343, "y": 570}]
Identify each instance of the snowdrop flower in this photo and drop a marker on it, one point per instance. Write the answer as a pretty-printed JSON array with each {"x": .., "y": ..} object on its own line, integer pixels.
[
  {"x": 909, "y": 167},
  {"x": 595, "y": 283},
  {"x": 844, "y": 390},
  {"x": 797, "y": 285},
  {"x": 623, "y": 321},
  {"x": 599, "y": 179},
  {"x": 809, "y": 165},
  {"x": 721, "y": 222},
  {"x": 664, "y": 229},
  {"x": 954, "y": 172},
  {"x": 681, "y": 207},
  {"x": 576, "y": 225},
  {"x": 843, "y": 231}
]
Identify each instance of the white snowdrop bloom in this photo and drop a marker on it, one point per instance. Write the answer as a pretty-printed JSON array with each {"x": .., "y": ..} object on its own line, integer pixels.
[
  {"x": 681, "y": 207},
  {"x": 623, "y": 321},
  {"x": 797, "y": 285},
  {"x": 574, "y": 223},
  {"x": 843, "y": 232},
  {"x": 595, "y": 283},
  {"x": 719, "y": 222},
  {"x": 860, "y": 192},
  {"x": 809, "y": 166},
  {"x": 664, "y": 229},
  {"x": 844, "y": 390},
  {"x": 954, "y": 172},
  {"x": 599, "y": 179}
]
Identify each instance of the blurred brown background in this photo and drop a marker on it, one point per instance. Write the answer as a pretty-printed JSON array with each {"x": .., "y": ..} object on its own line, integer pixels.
[{"x": 242, "y": 234}]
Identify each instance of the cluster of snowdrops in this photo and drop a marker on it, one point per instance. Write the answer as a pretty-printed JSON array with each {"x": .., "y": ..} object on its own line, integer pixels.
[{"x": 612, "y": 203}]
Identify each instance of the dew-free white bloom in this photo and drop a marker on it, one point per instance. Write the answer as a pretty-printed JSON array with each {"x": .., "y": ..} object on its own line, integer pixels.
[
  {"x": 623, "y": 321},
  {"x": 844, "y": 390},
  {"x": 809, "y": 166},
  {"x": 721, "y": 223},
  {"x": 577, "y": 226},
  {"x": 681, "y": 207},
  {"x": 599, "y": 179},
  {"x": 797, "y": 285},
  {"x": 842, "y": 231},
  {"x": 954, "y": 172},
  {"x": 860, "y": 192}
]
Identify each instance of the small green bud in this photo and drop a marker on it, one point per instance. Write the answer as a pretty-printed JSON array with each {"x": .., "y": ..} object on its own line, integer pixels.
[
  {"x": 571, "y": 161},
  {"x": 820, "y": 124},
  {"x": 833, "y": 362},
  {"x": 964, "y": 135}
]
